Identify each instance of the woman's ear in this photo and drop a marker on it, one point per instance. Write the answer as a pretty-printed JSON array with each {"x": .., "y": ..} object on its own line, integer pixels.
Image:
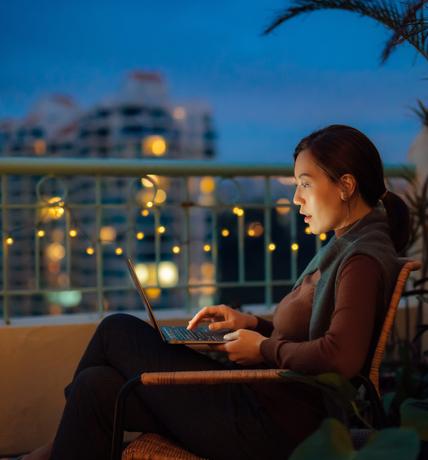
[{"x": 348, "y": 184}]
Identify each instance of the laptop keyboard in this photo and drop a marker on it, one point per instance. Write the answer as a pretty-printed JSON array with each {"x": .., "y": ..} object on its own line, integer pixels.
[{"x": 200, "y": 334}]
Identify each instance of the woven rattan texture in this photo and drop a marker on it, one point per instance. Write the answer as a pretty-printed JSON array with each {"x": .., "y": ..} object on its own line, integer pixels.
[{"x": 151, "y": 446}]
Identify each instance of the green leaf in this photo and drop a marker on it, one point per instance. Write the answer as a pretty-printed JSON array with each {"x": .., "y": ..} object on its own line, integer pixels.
[
  {"x": 414, "y": 414},
  {"x": 339, "y": 382},
  {"x": 331, "y": 441},
  {"x": 391, "y": 444},
  {"x": 334, "y": 387}
]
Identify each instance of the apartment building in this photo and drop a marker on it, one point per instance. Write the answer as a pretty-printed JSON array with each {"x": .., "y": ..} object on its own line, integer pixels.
[{"x": 140, "y": 120}]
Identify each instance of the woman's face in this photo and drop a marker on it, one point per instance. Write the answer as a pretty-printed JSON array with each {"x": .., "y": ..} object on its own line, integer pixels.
[{"x": 318, "y": 196}]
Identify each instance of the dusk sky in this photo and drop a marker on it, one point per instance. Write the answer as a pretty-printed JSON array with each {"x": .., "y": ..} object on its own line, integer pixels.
[{"x": 266, "y": 92}]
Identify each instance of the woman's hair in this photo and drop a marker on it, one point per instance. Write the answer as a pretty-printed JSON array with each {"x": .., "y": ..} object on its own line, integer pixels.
[{"x": 339, "y": 150}]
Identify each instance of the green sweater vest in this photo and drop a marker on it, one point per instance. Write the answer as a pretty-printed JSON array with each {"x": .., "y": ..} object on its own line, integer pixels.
[{"x": 369, "y": 236}]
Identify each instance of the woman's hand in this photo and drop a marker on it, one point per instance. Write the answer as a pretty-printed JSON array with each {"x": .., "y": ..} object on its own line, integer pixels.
[
  {"x": 243, "y": 346},
  {"x": 223, "y": 317}
]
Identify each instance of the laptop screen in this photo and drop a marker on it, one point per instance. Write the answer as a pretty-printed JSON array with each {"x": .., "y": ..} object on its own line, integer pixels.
[{"x": 143, "y": 295}]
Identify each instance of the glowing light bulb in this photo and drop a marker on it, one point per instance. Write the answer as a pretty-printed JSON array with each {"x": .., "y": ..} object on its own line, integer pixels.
[
  {"x": 139, "y": 235},
  {"x": 9, "y": 241},
  {"x": 225, "y": 232},
  {"x": 207, "y": 247},
  {"x": 73, "y": 233},
  {"x": 294, "y": 247},
  {"x": 90, "y": 251},
  {"x": 118, "y": 251},
  {"x": 271, "y": 247},
  {"x": 161, "y": 229},
  {"x": 41, "y": 233},
  {"x": 176, "y": 249},
  {"x": 323, "y": 236}
]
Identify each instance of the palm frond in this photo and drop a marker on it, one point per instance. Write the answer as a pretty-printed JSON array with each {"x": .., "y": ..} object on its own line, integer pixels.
[
  {"x": 414, "y": 29},
  {"x": 404, "y": 19},
  {"x": 422, "y": 112}
]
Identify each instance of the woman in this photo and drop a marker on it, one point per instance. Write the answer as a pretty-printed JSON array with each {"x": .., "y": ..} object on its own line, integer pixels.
[{"x": 328, "y": 322}]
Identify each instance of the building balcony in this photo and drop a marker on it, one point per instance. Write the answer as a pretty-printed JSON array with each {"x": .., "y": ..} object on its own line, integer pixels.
[{"x": 200, "y": 233}]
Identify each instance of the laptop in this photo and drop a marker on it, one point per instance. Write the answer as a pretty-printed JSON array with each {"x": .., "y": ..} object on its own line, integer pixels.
[{"x": 176, "y": 334}]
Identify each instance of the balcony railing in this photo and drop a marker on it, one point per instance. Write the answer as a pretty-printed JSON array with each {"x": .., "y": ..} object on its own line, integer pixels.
[{"x": 199, "y": 232}]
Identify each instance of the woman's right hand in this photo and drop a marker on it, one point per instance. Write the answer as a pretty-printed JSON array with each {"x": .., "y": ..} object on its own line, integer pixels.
[{"x": 223, "y": 317}]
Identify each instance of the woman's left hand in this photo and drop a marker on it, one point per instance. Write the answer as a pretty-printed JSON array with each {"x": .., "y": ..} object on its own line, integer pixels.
[{"x": 243, "y": 346}]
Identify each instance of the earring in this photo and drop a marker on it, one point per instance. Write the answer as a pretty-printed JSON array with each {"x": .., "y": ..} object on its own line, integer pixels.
[{"x": 344, "y": 197}]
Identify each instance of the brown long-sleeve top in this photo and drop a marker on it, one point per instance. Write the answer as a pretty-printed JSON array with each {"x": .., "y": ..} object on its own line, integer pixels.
[
  {"x": 351, "y": 338},
  {"x": 346, "y": 344}
]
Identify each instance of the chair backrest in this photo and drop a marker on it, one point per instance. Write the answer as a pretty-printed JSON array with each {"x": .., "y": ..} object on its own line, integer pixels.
[{"x": 408, "y": 266}]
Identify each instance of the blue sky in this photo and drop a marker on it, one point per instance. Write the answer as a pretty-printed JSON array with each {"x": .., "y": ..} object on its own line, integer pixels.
[{"x": 266, "y": 92}]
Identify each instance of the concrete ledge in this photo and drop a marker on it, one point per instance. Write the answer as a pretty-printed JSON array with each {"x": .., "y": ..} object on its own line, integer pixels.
[{"x": 36, "y": 363}]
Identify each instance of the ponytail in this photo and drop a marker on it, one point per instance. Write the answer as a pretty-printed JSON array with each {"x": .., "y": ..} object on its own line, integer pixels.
[{"x": 398, "y": 220}]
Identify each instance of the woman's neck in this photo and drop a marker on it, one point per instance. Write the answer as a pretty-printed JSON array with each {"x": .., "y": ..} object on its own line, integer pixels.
[{"x": 358, "y": 212}]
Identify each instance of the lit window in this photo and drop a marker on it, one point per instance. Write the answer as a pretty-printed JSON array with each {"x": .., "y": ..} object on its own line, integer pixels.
[
  {"x": 154, "y": 145},
  {"x": 284, "y": 207},
  {"x": 207, "y": 185},
  {"x": 39, "y": 147},
  {"x": 179, "y": 113},
  {"x": 55, "y": 252},
  {"x": 107, "y": 234}
]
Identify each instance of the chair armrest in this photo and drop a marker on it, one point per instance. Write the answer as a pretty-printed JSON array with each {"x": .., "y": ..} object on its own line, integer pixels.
[
  {"x": 210, "y": 377},
  {"x": 182, "y": 378}
]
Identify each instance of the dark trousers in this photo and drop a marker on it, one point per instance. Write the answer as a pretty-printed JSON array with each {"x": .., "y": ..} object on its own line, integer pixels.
[{"x": 214, "y": 421}]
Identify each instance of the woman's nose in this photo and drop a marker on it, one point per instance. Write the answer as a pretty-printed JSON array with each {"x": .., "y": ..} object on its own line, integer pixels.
[{"x": 297, "y": 199}]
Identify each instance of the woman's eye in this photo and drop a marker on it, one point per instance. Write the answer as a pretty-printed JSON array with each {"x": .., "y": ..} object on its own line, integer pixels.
[{"x": 305, "y": 185}]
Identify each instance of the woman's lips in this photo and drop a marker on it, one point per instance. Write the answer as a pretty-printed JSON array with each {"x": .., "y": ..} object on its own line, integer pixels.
[{"x": 308, "y": 218}]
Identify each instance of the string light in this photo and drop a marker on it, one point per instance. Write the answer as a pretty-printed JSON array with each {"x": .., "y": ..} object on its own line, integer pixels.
[
  {"x": 139, "y": 235},
  {"x": 118, "y": 251},
  {"x": 90, "y": 250},
  {"x": 238, "y": 211},
  {"x": 149, "y": 204},
  {"x": 41, "y": 233},
  {"x": 9, "y": 241},
  {"x": 207, "y": 247},
  {"x": 294, "y": 247},
  {"x": 323, "y": 236},
  {"x": 308, "y": 230},
  {"x": 271, "y": 247},
  {"x": 54, "y": 209},
  {"x": 176, "y": 249},
  {"x": 161, "y": 229},
  {"x": 145, "y": 212},
  {"x": 73, "y": 232},
  {"x": 225, "y": 232}
]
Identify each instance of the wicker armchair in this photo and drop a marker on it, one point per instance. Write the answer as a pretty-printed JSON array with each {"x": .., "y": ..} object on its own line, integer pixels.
[{"x": 153, "y": 446}]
